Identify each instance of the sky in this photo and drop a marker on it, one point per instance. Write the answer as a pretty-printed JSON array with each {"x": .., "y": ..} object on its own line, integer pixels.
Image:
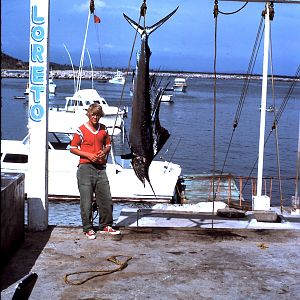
[{"x": 184, "y": 43}]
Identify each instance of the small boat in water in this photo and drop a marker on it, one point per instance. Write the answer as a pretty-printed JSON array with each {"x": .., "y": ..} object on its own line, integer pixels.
[
  {"x": 103, "y": 79},
  {"x": 166, "y": 98},
  {"x": 180, "y": 84},
  {"x": 119, "y": 78},
  {"x": 52, "y": 86},
  {"x": 271, "y": 108}
]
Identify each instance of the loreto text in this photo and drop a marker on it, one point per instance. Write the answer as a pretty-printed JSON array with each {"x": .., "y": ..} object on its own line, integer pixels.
[{"x": 37, "y": 64}]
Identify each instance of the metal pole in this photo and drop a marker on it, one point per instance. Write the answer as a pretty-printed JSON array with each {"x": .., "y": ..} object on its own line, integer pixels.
[
  {"x": 295, "y": 199},
  {"x": 263, "y": 103},
  {"x": 260, "y": 202}
]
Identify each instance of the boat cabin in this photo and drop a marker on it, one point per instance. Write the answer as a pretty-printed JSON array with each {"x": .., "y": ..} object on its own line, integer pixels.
[
  {"x": 179, "y": 84},
  {"x": 82, "y": 99}
]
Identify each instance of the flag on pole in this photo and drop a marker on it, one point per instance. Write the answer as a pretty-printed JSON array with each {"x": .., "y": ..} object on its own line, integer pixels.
[{"x": 96, "y": 19}]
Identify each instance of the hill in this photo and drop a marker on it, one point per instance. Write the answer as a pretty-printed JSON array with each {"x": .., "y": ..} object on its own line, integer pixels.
[{"x": 11, "y": 63}]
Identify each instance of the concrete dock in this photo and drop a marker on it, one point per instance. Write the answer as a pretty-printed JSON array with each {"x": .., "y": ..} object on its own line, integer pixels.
[{"x": 166, "y": 263}]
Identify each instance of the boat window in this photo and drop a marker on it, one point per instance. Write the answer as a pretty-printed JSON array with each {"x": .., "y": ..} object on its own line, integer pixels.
[
  {"x": 59, "y": 141},
  {"x": 16, "y": 158},
  {"x": 60, "y": 146}
]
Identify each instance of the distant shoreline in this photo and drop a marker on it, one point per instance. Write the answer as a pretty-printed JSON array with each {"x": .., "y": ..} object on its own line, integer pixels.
[{"x": 68, "y": 74}]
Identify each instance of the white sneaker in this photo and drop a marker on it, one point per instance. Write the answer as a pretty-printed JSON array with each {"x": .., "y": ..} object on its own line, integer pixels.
[
  {"x": 91, "y": 234},
  {"x": 110, "y": 230}
]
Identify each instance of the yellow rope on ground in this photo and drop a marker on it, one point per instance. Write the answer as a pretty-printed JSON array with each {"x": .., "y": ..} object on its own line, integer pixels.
[{"x": 114, "y": 259}]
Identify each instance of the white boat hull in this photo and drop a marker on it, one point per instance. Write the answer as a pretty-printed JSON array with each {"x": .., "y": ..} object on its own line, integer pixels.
[
  {"x": 166, "y": 98},
  {"x": 179, "y": 85},
  {"x": 119, "y": 78},
  {"x": 124, "y": 184}
]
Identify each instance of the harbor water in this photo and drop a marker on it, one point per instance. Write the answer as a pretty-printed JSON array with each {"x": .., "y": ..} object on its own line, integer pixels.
[{"x": 190, "y": 121}]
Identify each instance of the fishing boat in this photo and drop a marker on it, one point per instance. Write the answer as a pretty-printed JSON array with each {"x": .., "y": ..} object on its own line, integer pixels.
[
  {"x": 103, "y": 78},
  {"x": 73, "y": 114},
  {"x": 119, "y": 78},
  {"x": 62, "y": 167},
  {"x": 166, "y": 98},
  {"x": 180, "y": 84}
]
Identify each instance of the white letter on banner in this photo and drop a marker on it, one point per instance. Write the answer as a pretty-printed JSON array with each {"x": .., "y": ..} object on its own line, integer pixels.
[
  {"x": 36, "y": 112},
  {"x": 37, "y": 75},
  {"x": 37, "y": 33},
  {"x": 37, "y": 51},
  {"x": 35, "y": 18}
]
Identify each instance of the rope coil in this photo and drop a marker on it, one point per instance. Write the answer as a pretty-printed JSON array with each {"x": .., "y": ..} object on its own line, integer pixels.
[{"x": 114, "y": 259}]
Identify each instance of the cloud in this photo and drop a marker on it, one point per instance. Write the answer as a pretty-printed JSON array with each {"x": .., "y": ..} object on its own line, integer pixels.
[
  {"x": 108, "y": 46},
  {"x": 83, "y": 7}
]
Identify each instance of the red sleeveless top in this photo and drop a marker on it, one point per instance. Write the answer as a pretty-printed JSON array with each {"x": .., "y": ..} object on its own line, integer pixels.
[{"x": 89, "y": 141}]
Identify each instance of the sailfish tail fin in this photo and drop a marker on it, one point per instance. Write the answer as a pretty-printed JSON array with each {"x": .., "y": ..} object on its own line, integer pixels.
[{"x": 152, "y": 28}]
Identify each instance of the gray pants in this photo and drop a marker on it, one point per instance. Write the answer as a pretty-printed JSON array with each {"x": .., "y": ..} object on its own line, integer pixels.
[{"x": 91, "y": 180}]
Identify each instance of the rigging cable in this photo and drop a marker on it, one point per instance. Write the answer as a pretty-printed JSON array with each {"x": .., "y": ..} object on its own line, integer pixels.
[
  {"x": 98, "y": 41},
  {"x": 233, "y": 12}
]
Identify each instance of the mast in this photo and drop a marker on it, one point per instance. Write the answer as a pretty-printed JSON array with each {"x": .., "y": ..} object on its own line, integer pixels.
[
  {"x": 259, "y": 201},
  {"x": 82, "y": 54}
]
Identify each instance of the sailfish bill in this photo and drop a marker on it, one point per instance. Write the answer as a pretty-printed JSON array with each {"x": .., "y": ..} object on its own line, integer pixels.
[{"x": 147, "y": 136}]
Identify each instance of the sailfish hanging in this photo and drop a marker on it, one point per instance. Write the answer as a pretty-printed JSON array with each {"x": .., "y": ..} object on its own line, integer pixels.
[{"x": 147, "y": 136}]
